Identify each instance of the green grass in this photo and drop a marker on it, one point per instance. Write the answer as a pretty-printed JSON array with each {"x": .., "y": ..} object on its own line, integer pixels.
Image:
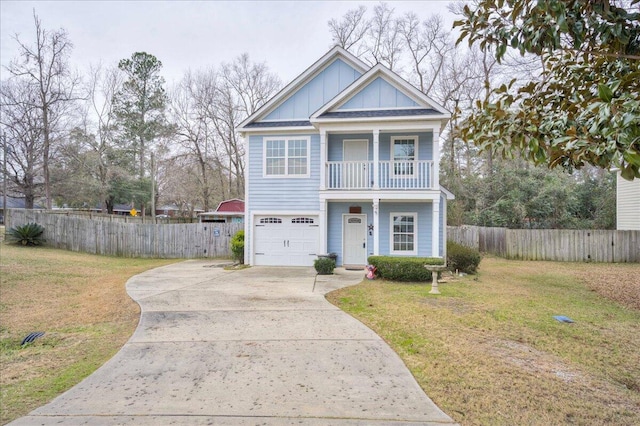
[
  {"x": 489, "y": 352},
  {"x": 79, "y": 300}
]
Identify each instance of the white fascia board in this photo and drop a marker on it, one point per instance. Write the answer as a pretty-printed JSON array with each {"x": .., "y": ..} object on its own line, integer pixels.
[
  {"x": 383, "y": 196},
  {"x": 408, "y": 119},
  {"x": 307, "y": 75},
  {"x": 448, "y": 194},
  {"x": 398, "y": 124},
  {"x": 280, "y": 130}
]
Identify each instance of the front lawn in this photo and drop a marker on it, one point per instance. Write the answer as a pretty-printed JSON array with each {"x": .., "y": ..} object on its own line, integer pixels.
[
  {"x": 79, "y": 301},
  {"x": 489, "y": 352}
]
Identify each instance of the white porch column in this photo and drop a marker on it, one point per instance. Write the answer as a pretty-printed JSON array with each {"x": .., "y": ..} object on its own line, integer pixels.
[
  {"x": 323, "y": 160},
  {"x": 435, "y": 228},
  {"x": 436, "y": 159},
  {"x": 323, "y": 227},
  {"x": 376, "y": 226},
  {"x": 376, "y": 160}
]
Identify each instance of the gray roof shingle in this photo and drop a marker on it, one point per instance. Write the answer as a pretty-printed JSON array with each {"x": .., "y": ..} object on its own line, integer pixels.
[
  {"x": 380, "y": 113},
  {"x": 278, "y": 124}
]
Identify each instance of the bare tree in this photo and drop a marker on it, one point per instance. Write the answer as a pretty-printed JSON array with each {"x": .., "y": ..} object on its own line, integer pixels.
[
  {"x": 190, "y": 102},
  {"x": 384, "y": 41},
  {"x": 45, "y": 66},
  {"x": 429, "y": 46},
  {"x": 243, "y": 88},
  {"x": 252, "y": 83},
  {"x": 22, "y": 129},
  {"x": 350, "y": 30},
  {"x": 92, "y": 155},
  {"x": 206, "y": 108}
]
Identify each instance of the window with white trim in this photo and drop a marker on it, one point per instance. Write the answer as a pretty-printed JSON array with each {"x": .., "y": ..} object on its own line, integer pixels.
[
  {"x": 286, "y": 157},
  {"x": 404, "y": 231},
  {"x": 405, "y": 152}
]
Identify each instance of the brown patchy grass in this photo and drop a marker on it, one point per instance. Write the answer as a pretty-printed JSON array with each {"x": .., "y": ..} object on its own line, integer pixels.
[
  {"x": 79, "y": 300},
  {"x": 488, "y": 351}
]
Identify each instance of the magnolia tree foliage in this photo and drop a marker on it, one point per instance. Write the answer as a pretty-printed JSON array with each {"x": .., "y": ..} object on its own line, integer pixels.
[{"x": 585, "y": 107}]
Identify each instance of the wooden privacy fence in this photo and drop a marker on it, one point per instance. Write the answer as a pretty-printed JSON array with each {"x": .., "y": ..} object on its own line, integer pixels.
[
  {"x": 187, "y": 240},
  {"x": 121, "y": 218},
  {"x": 567, "y": 245}
]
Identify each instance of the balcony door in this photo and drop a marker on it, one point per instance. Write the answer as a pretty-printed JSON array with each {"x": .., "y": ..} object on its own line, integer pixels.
[{"x": 356, "y": 159}]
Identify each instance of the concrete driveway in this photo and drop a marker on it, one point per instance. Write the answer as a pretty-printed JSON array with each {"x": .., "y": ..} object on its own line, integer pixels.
[{"x": 259, "y": 346}]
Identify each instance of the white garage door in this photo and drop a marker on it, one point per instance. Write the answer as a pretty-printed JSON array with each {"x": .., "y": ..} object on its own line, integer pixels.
[{"x": 285, "y": 240}]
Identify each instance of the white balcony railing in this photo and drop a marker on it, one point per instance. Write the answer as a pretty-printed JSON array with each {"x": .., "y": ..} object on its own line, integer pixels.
[{"x": 391, "y": 175}]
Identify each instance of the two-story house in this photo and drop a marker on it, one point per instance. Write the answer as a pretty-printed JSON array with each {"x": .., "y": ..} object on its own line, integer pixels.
[{"x": 344, "y": 160}]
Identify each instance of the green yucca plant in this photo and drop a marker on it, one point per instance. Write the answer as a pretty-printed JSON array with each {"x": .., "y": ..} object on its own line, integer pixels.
[{"x": 27, "y": 235}]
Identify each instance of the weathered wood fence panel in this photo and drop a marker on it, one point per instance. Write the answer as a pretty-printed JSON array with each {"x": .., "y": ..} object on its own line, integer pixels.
[
  {"x": 117, "y": 238},
  {"x": 120, "y": 218},
  {"x": 566, "y": 245},
  {"x": 492, "y": 240},
  {"x": 466, "y": 235}
]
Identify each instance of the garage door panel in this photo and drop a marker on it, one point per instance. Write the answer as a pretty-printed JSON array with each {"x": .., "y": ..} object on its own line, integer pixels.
[{"x": 286, "y": 240}]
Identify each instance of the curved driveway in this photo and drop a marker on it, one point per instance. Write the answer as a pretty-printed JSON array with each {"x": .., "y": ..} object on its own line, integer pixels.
[{"x": 259, "y": 346}]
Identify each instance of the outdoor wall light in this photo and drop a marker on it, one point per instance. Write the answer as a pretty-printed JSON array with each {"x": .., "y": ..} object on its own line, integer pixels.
[{"x": 371, "y": 229}]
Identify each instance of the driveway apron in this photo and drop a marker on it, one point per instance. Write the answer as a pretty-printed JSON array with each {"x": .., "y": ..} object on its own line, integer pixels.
[{"x": 259, "y": 346}]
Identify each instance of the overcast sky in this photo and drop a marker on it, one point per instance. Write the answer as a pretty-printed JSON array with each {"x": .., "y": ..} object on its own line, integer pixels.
[{"x": 289, "y": 36}]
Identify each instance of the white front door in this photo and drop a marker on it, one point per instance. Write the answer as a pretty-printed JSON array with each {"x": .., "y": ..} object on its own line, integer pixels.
[
  {"x": 354, "y": 236},
  {"x": 356, "y": 159}
]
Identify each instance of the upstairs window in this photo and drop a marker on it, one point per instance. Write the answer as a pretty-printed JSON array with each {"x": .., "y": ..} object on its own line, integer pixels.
[
  {"x": 286, "y": 157},
  {"x": 405, "y": 153}
]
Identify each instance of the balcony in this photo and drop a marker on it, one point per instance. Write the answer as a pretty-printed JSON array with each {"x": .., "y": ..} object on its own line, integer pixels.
[{"x": 396, "y": 175}]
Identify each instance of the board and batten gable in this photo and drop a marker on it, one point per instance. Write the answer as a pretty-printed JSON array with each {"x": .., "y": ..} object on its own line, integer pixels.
[
  {"x": 628, "y": 204},
  {"x": 378, "y": 94},
  {"x": 318, "y": 91},
  {"x": 282, "y": 193}
]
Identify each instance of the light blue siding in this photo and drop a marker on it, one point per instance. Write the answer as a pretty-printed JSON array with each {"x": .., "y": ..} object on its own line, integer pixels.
[
  {"x": 379, "y": 94},
  {"x": 424, "y": 211},
  {"x": 334, "y": 226},
  {"x": 282, "y": 193},
  {"x": 317, "y": 92},
  {"x": 425, "y": 145},
  {"x": 336, "y": 145}
]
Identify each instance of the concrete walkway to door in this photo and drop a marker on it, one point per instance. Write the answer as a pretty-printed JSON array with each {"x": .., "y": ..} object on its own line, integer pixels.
[{"x": 259, "y": 346}]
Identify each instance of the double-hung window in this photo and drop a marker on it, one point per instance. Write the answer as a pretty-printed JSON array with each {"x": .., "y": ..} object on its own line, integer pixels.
[
  {"x": 286, "y": 157},
  {"x": 405, "y": 153},
  {"x": 404, "y": 229}
]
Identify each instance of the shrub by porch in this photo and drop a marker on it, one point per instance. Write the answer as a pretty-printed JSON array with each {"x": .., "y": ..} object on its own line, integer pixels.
[{"x": 396, "y": 268}]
